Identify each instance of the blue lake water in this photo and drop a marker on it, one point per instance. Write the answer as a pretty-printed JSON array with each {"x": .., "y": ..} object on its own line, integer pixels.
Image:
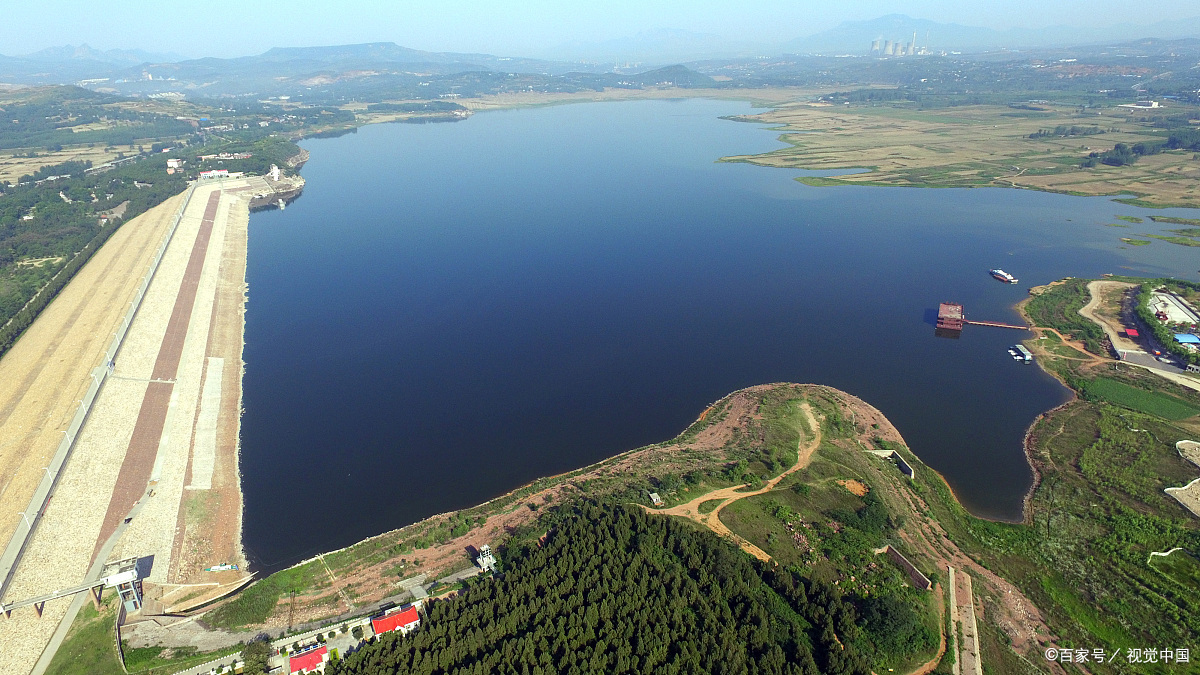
[{"x": 453, "y": 310}]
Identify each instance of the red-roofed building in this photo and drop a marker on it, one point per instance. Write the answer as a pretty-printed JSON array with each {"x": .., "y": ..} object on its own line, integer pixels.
[
  {"x": 404, "y": 620},
  {"x": 311, "y": 661},
  {"x": 1131, "y": 332}
]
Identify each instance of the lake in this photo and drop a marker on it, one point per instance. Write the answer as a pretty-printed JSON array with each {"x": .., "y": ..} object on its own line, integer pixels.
[{"x": 453, "y": 310}]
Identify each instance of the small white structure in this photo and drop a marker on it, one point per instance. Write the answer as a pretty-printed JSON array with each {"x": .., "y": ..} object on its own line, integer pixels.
[
  {"x": 487, "y": 562},
  {"x": 174, "y": 163},
  {"x": 1140, "y": 104},
  {"x": 655, "y": 499},
  {"x": 274, "y": 173}
]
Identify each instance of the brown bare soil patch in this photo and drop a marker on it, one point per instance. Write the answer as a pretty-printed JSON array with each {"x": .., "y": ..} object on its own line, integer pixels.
[{"x": 854, "y": 487}]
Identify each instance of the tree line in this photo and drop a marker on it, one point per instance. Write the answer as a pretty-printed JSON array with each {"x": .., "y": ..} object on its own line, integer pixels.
[{"x": 611, "y": 589}]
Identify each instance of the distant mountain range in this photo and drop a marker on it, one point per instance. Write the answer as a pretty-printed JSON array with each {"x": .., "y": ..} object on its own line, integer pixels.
[
  {"x": 855, "y": 37},
  {"x": 140, "y": 73},
  {"x": 123, "y": 57},
  {"x": 295, "y": 69}
]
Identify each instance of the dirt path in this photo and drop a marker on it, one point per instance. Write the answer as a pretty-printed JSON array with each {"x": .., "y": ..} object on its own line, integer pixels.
[
  {"x": 1015, "y": 615},
  {"x": 1088, "y": 311},
  {"x": 729, "y": 495},
  {"x": 1073, "y": 344},
  {"x": 969, "y": 656},
  {"x": 1089, "y": 308}
]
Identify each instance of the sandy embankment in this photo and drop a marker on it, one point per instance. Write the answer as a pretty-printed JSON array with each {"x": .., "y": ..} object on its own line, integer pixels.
[
  {"x": 1188, "y": 495},
  {"x": 166, "y": 419},
  {"x": 45, "y": 374}
]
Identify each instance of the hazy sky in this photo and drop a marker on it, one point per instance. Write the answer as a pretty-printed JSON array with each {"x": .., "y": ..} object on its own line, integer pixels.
[{"x": 514, "y": 27}]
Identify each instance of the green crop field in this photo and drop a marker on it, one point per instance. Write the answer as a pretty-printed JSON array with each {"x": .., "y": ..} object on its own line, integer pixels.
[{"x": 1167, "y": 407}]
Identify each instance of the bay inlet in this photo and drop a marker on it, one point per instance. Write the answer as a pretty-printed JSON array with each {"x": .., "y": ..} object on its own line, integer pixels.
[{"x": 453, "y": 310}]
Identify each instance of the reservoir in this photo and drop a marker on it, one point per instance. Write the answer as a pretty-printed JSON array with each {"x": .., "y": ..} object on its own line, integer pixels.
[{"x": 453, "y": 310}]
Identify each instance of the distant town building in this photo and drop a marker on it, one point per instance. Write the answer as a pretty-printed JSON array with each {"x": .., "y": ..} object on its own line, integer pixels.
[
  {"x": 228, "y": 155},
  {"x": 1140, "y": 104},
  {"x": 215, "y": 173},
  {"x": 404, "y": 620},
  {"x": 274, "y": 173},
  {"x": 310, "y": 661},
  {"x": 174, "y": 163}
]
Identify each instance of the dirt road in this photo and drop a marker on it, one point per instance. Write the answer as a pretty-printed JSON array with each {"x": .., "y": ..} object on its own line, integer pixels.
[
  {"x": 1093, "y": 312},
  {"x": 729, "y": 495},
  {"x": 969, "y": 656}
]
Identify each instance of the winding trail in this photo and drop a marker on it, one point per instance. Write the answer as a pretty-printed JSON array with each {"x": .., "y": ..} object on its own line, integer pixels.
[
  {"x": 1088, "y": 311},
  {"x": 729, "y": 495}
]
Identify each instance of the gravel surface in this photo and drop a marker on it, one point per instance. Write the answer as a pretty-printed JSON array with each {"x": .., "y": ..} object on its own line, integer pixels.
[
  {"x": 53, "y": 362},
  {"x": 95, "y": 303}
]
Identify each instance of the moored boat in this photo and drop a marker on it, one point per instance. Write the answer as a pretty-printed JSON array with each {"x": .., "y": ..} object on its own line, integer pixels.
[{"x": 1004, "y": 276}]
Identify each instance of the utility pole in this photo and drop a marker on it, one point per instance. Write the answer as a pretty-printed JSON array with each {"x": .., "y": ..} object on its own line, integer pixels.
[{"x": 291, "y": 610}]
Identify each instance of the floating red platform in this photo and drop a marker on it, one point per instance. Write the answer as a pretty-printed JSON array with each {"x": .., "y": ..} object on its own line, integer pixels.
[{"x": 950, "y": 316}]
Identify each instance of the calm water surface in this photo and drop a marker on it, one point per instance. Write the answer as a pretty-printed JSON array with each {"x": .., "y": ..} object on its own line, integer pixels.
[{"x": 453, "y": 310}]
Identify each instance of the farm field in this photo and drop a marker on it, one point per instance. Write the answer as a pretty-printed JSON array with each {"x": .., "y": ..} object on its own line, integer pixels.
[{"x": 976, "y": 146}]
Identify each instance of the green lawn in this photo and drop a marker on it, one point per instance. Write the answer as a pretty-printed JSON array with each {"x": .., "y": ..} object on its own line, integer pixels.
[
  {"x": 1149, "y": 402},
  {"x": 90, "y": 647}
]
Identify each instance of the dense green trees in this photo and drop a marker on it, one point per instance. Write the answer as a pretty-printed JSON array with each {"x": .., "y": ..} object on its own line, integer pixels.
[
  {"x": 894, "y": 626},
  {"x": 60, "y": 115},
  {"x": 36, "y": 222},
  {"x": 1184, "y": 139},
  {"x": 614, "y": 590},
  {"x": 1122, "y": 154},
  {"x": 1162, "y": 332},
  {"x": 255, "y": 656},
  {"x": 1064, "y": 130}
]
